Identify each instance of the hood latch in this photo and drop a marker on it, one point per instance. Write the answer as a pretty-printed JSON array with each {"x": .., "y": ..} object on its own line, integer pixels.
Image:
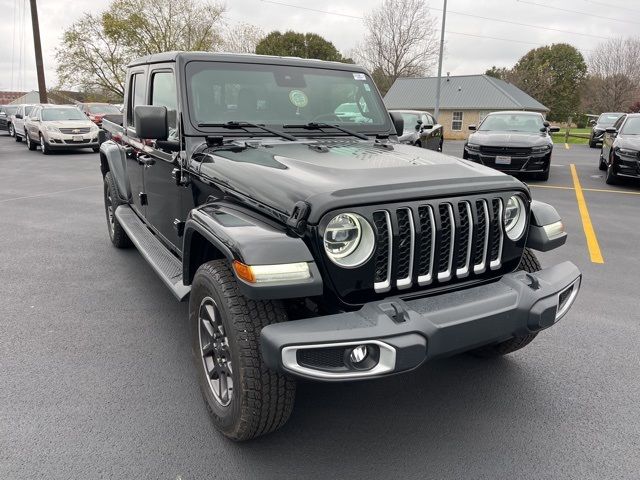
[{"x": 297, "y": 221}]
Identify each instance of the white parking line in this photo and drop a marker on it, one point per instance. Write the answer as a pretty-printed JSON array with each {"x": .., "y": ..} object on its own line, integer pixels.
[{"x": 47, "y": 194}]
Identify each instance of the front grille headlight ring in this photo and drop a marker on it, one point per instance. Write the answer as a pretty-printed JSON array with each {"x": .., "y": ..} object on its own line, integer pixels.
[
  {"x": 349, "y": 240},
  {"x": 515, "y": 218}
]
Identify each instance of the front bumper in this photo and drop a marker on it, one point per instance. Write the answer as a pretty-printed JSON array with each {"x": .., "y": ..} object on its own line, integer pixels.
[
  {"x": 532, "y": 163},
  {"x": 403, "y": 334},
  {"x": 65, "y": 141}
]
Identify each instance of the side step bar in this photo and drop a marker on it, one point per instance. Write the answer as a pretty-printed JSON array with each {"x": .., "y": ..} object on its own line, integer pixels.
[{"x": 159, "y": 257}]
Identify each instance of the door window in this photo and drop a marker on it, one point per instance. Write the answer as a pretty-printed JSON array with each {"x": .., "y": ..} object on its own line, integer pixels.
[
  {"x": 136, "y": 96},
  {"x": 163, "y": 94}
]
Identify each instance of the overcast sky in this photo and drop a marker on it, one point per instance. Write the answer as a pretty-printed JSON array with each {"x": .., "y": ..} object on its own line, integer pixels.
[{"x": 465, "y": 54}]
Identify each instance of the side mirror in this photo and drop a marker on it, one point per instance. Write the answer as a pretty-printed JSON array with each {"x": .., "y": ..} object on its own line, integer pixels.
[
  {"x": 472, "y": 128},
  {"x": 151, "y": 122},
  {"x": 18, "y": 115},
  {"x": 611, "y": 130},
  {"x": 398, "y": 122},
  {"x": 554, "y": 129},
  {"x": 546, "y": 124},
  {"x": 418, "y": 127},
  {"x": 592, "y": 122}
]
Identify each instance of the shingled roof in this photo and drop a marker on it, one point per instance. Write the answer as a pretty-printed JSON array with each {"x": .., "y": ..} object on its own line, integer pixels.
[{"x": 465, "y": 92}]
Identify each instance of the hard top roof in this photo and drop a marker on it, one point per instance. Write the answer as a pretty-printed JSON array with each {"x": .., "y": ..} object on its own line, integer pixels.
[{"x": 185, "y": 57}]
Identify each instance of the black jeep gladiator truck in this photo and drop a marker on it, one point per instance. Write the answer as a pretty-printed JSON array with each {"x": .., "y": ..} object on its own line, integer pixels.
[{"x": 313, "y": 245}]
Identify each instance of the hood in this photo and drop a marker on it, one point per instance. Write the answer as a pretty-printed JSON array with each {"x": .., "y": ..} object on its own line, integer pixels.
[
  {"x": 69, "y": 123},
  {"x": 510, "y": 139},
  {"x": 340, "y": 173},
  {"x": 628, "y": 141}
]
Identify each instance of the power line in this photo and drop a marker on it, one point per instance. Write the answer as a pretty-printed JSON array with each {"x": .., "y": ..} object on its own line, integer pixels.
[
  {"x": 455, "y": 13},
  {"x": 577, "y": 12},
  {"x": 612, "y": 6}
]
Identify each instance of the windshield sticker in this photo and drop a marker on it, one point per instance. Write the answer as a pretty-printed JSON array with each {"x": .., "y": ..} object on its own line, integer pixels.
[
  {"x": 367, "y": 87},
  {"x": 298, "y": 98},
  {"x": 359, "y": 76}
]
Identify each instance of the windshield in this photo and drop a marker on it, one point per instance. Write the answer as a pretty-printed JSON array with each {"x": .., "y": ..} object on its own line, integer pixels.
[
  {"x": 512, "y": 122},
  {"x": 283, "y": 95},
  {"x": 10, "y": 110},
  {"x": 104, "y": 109},
  {"x": 56, "y": 114},
  {"x": 608, "y": 118},
  {"x": 631, "y": 126}
]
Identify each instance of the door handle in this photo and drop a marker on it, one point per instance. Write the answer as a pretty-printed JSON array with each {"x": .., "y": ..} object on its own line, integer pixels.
[{"x": 146, "y": 160}]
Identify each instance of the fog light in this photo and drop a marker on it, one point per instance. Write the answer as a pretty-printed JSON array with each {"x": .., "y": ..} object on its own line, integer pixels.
[{"x": 358, "y": 354}]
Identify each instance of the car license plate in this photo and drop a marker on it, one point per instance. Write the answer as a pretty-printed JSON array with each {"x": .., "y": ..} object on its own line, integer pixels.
[
  {"x": 77, "y": 138},
  {"x": 503, "y": 160}
]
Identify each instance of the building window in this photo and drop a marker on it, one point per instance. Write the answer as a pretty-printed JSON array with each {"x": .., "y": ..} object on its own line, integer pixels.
[{"x": 456, "y": 124}]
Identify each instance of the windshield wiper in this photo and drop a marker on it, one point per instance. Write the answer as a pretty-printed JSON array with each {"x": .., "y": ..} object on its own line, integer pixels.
[
  {"x": 320, "y": 126},
  {"x": 244, "y": 125}
]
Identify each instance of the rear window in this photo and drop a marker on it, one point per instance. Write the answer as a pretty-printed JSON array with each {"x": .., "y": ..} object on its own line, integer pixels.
[{"x": 609, "y": 118}]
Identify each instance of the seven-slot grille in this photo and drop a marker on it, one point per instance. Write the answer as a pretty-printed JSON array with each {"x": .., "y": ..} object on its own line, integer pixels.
[{"x": 437, "y": 241}]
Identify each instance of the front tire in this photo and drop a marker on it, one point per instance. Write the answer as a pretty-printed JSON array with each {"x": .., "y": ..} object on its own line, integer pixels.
[
  {"x": 244, "y": 397},
  {"x": 30, "y": 145},
  {"x": 610, "y": 177},
  {"x": 44, "y": 146},
  {"x": 117, "y": 235},
  {"x": 12, "y": 132},
  {"x": 593, "y": 144},
  {"x": 528, "y": 263},
  {"x": 602, "y": 165}
]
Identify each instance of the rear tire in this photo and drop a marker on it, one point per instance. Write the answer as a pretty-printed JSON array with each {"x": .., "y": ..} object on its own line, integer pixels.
[
  {"x": 528, "y": 263},
  {"x": 95, "y": 149},
  {"x": 418, "y": 144},
  {"x": 112, "y": 201},
  {"x": 602, "y": 165},
  {"x": 260, "y": 399},
  {"x": 16, "y": 136}
]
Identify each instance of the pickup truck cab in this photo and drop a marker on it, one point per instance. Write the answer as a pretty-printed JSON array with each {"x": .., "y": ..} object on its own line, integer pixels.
[{"x": 312, "y": 244}]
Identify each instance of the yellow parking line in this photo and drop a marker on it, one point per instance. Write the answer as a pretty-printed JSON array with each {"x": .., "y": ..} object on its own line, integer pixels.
[
  {"x": 600, "y": 190},
  {"x": 589, "y": 233}
]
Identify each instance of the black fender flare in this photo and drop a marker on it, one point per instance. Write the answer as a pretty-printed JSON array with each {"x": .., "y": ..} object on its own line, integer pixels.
[
  {"x": 237, "y": 234},
  {"x": 542, "y": 215},
  {"x": 112, "y": 159}
]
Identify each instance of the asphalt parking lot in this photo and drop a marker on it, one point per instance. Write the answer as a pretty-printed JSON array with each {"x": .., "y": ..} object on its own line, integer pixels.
[{"x": 97, "y": 381}]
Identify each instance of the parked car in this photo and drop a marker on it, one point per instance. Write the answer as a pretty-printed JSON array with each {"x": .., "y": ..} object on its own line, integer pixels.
[
  {"x": 620, "y": 155},
  {"x": 421, "y": 130},
  {"x": 324, "y": 251},
  {"x": 97, "y": 111},
  {"x": 599, "y": 126},
  {"x": 16, "y": 128},
  {"x": 512, "y": 142},
  {"x": 6, "y": 111},
  {"x": 55, "y": 127}
]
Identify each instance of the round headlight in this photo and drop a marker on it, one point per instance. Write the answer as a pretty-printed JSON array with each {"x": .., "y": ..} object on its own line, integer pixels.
[
  {"x": 348, "y": 240},
  {"x": 515, "y": 218}
]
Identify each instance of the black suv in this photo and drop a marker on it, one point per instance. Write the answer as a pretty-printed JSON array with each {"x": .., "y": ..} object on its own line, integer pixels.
[
  {"x": 312, "y": 244},
  {"x": 600, "y": 126}
]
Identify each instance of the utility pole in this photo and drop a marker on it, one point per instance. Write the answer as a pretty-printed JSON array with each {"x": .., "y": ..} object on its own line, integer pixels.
[
  {"x": 436, "y": 113},
  {"x": 42, "y": 87}
]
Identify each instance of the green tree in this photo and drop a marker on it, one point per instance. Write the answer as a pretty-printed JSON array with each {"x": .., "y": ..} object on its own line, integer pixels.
[
  {"x": 96, "y": 49},
  {"x": 553, "y": 75},
  {"x": 304, "y": 45},
  {"x": 501, "y": 73}
]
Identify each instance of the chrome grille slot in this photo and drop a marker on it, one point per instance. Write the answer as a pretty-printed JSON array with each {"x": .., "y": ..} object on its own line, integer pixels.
[
  {"x": 382, "y": 222},
  {"x": 482, "y": 237},
  {"x": 465, "y": 236},
  {"x": 496, "y": 234},
  {"x": 447, "y": 235},
  {"x": 427, "y": 246},
  {"x": 406, "y": 242}
]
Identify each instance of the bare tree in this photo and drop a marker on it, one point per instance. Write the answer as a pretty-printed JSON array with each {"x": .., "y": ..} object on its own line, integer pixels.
[
  {"x": 400, "y": 41},
  {"x": 614, "y": 75},
  {"x": 241, "y": 38}
]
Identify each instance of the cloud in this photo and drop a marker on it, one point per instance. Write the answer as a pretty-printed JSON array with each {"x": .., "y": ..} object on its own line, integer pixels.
[{"x": 464, "y": 54}]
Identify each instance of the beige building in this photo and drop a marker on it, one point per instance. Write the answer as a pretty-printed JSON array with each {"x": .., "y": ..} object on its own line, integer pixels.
[{"x": 464, "y": 100}]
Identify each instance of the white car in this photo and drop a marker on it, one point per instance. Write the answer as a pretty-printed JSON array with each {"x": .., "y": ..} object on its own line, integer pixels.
[
  {"x": 57, "y": 127},
  {"x": 18, "y": 121}
]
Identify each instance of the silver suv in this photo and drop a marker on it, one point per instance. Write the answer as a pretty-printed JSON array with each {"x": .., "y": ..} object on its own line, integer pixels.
[{"x": 60, "y": 127}]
